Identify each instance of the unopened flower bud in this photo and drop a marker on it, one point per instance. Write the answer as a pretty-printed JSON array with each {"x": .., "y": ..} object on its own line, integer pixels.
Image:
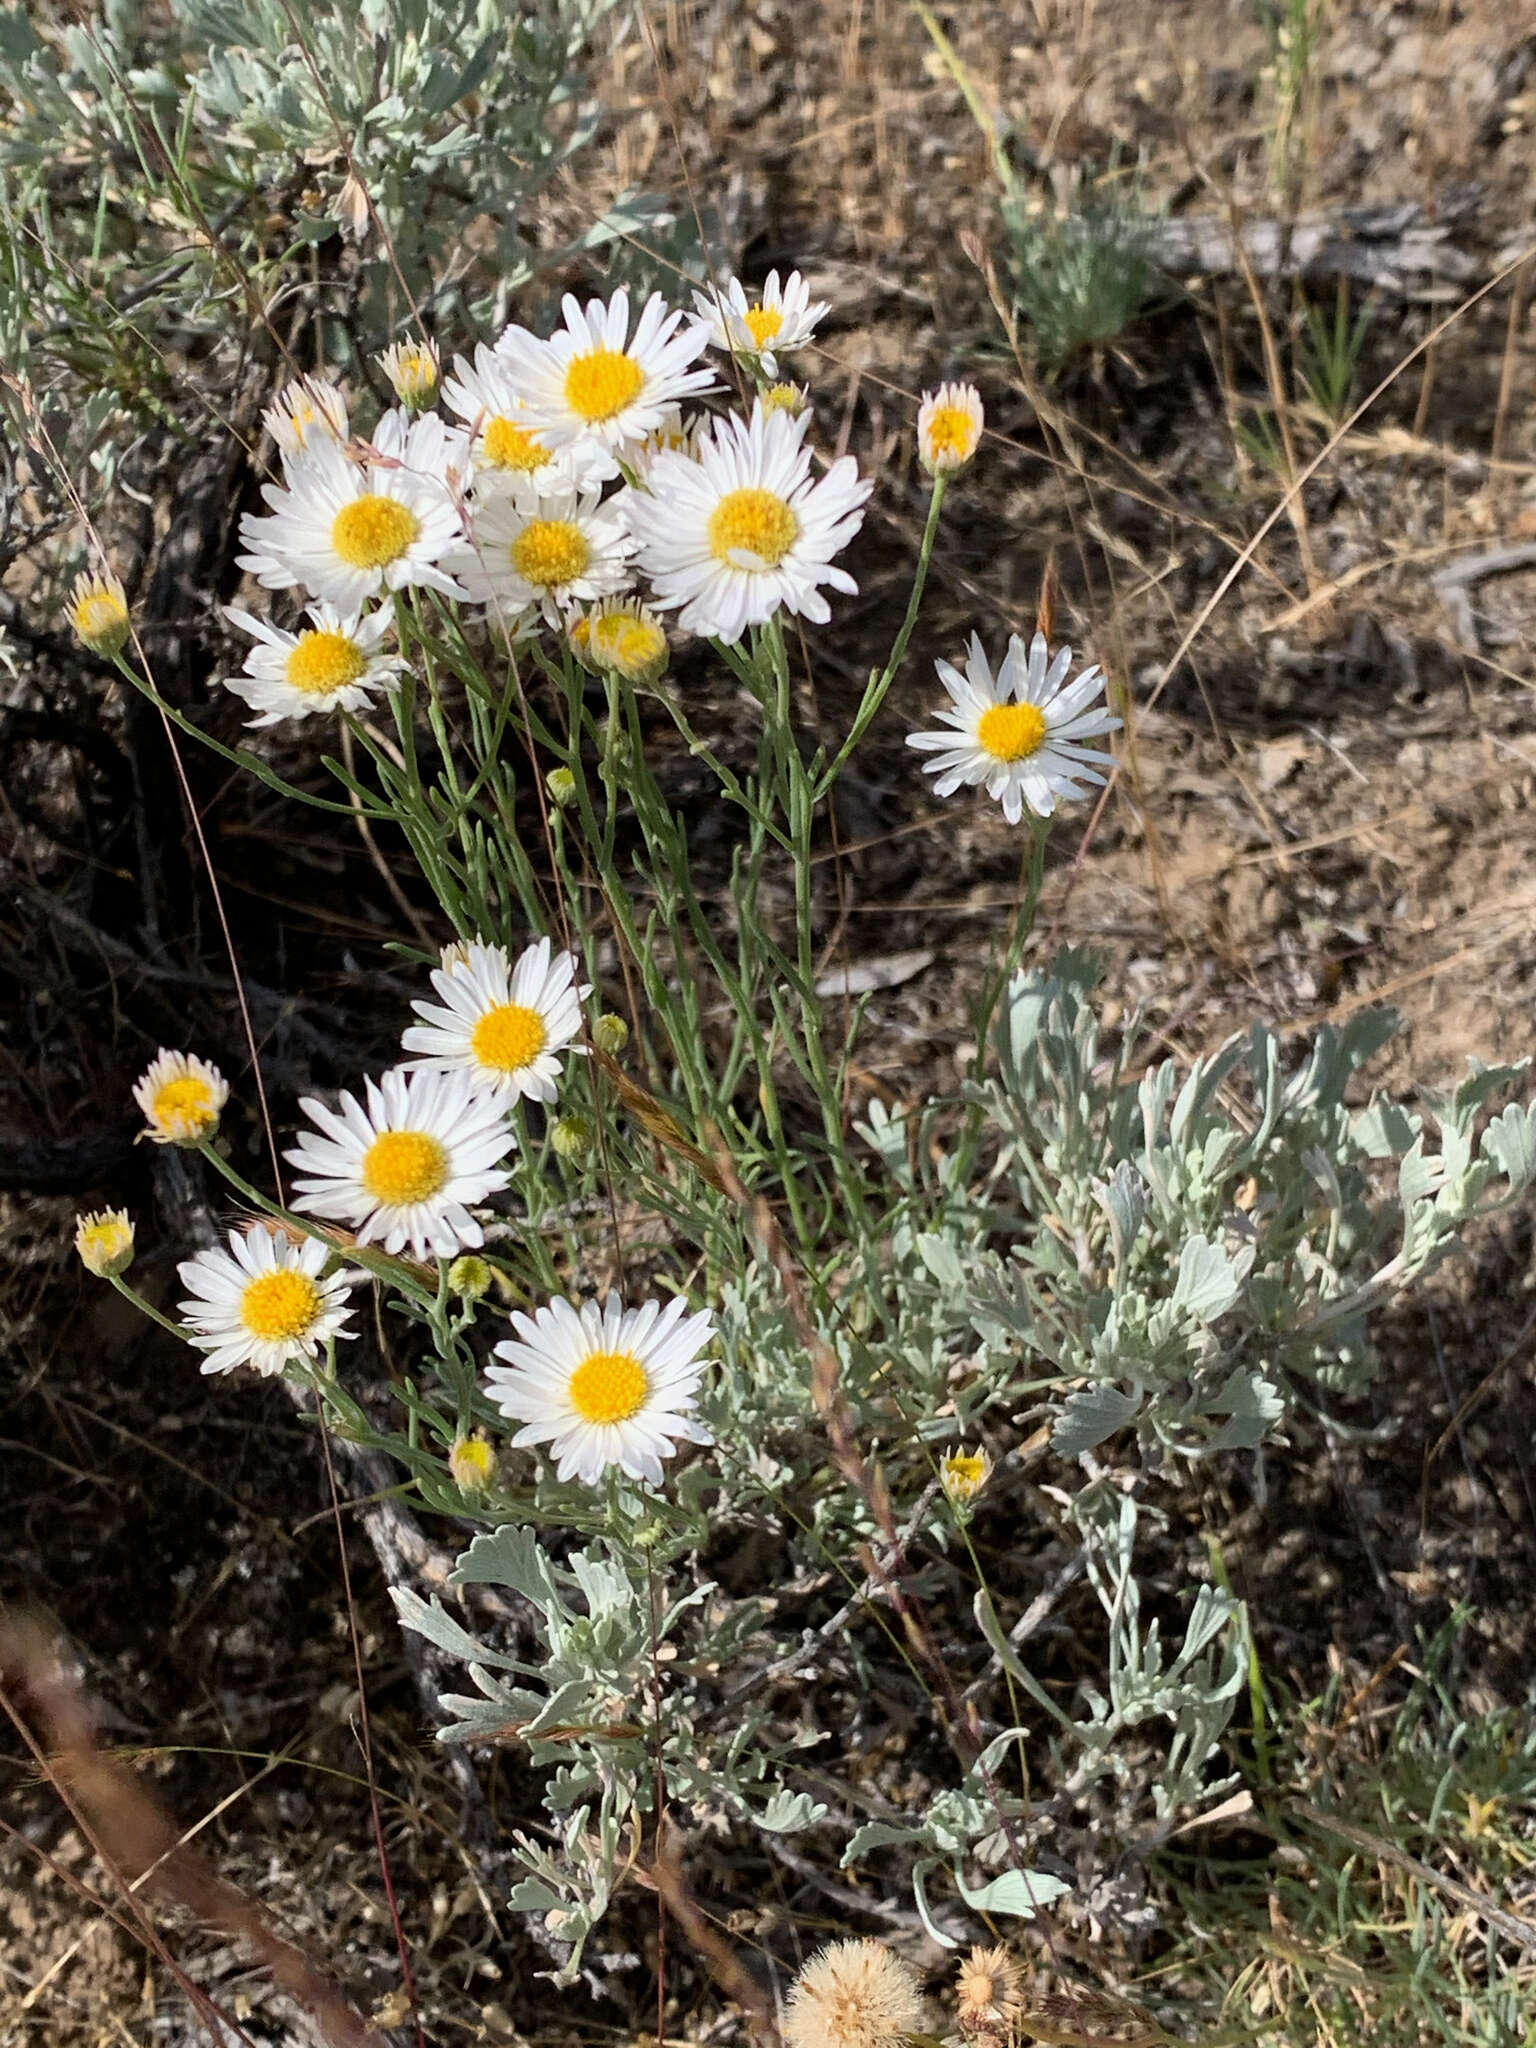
[
  {"x": 561, "y": 784},
  {"x": 949, "y": 423},
  {"x": 412, "y": 368},
  {"x": 470, "y": 1277},
  {"x": 610, "y": 1034},
  {"x": 790, "y": 398},
  {"x": 98, "y": 611},
  {"x": 104, "y": 1240},
  {"x": 472, "y": 1463},
  {"x": 181, "y": 1097},
  {"x": 964, "y": 1474},
  {"x": 572, "y": 1137}
]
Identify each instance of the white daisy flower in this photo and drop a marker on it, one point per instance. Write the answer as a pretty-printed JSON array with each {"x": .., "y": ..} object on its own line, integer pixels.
[
  {"x": 413, "y": 369},
  {"x": 350, "y": 530},
  {"x": 1018, "y": 734},
  {"x": 743, "y": 529},
  {"x": 780, "y": 317},
  {"x": 404, "y": 1168},
  {"x": 333, "y": 664},
  {"x": 503, "y": 442},
  {"x": 592, "y": 387},
  {"x": 552, "y": 550},
  {"x": 949, "y": 423},
  {"x": 604, "y": 1386},
  {"x": 309, "y": 412},
  {"x": 263, "y": 1302},
  {"x": 504, "y": 1026},
  {"x": 181, "y": 1097}
]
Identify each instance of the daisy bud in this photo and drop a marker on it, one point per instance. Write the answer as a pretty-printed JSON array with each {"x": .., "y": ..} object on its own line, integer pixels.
[
  {"x": 610, "y": 1034},
  {"x": 472, "y": 1462},
  {"x": 98, "y": 611},
  {"x": 572, "y": 1137},
  {"x": 626, "y": 639},
  {"x": 949, "y": 423},
  {"x": 854, "y": 1994},
  {"x": 104, "y": 1240},
  {"x": 561, "y": 784},
  {"x": 790, "y": 398},
  {"x": 964, "y": 1474},
  {"x": 470, "y": 1277},
  {"x": 181, "y": 1097},
  {"x": 412, "y": 367}
]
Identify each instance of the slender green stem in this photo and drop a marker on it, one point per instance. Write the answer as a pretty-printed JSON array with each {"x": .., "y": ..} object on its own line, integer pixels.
[
  {"x": 146, "y": 1307},
  {"x": 879, "y": 684}
]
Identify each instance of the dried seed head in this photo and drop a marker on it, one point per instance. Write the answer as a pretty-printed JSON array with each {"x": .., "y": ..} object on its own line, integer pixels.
[{"x": 854, "y": 1994}]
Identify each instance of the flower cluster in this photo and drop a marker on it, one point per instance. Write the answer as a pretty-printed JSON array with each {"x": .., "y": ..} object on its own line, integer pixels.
[
  {"x": 404, "y": 1168},
  {"x": 561, "y": 471}
]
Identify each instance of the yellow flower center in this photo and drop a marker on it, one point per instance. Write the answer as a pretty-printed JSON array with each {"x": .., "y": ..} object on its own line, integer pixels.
[
  {"x": 371, "y": 532},
  {"x": 404, "y": 1167},
  {"x": 185, "y": 1106},
  {"x": 752, "y": 522},
  {"x": 610, "y": 1386},
  {"x": 100, "y": 616},
  {"x": 506, "y": 445},
  {"x": 965, "y": 1468},
  {"x": 550, "y": 552},
  {"x": 508, "y": 1037},
  {"x": 323, "y": 661},
  {"x": 762, "y": 323},
  {"x": 601, "y": 383},
  {"x": 280, "y": 1304},
  {"x": 1011, "y": 732},
  {"x": 951, "y": 434}
]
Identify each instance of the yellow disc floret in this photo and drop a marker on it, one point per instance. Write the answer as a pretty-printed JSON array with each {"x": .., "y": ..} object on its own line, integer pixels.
[
  {"x": 601, "y": 382},
  {"x": 950, "y": 437},
  {"x": 1011, "y": 732},
  {"x": 755, "y": 522},
  {"x": 372, "y": 531},
  {"x": 610, "y": 1386},
  {"x": 280, "y": 1305},
  {"x": 401, "y": 1168},
  {"x": 185, "y": 1107},
  {"x": 763, "y": 323},
  {"x": 506, "y": 445},
  {"x": 323, "y": 661},
  {"x": 550, "y": 553},
  {"x": 508, "y": 1038}
]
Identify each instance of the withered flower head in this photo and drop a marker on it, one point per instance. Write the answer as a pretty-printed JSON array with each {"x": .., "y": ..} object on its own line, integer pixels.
[{"x": 990, "y": 1990}]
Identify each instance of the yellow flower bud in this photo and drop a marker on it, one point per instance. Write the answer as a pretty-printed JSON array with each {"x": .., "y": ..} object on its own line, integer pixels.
[
  {"x": 472, "y": 1462},
  {"x": 104, "y": 1240},
  {"x": 98, "y": 611},
  {"x": 610, "y": 1034}
]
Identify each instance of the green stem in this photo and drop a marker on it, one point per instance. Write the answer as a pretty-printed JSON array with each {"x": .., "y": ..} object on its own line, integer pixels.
[{"x": 879, "y": 685}]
